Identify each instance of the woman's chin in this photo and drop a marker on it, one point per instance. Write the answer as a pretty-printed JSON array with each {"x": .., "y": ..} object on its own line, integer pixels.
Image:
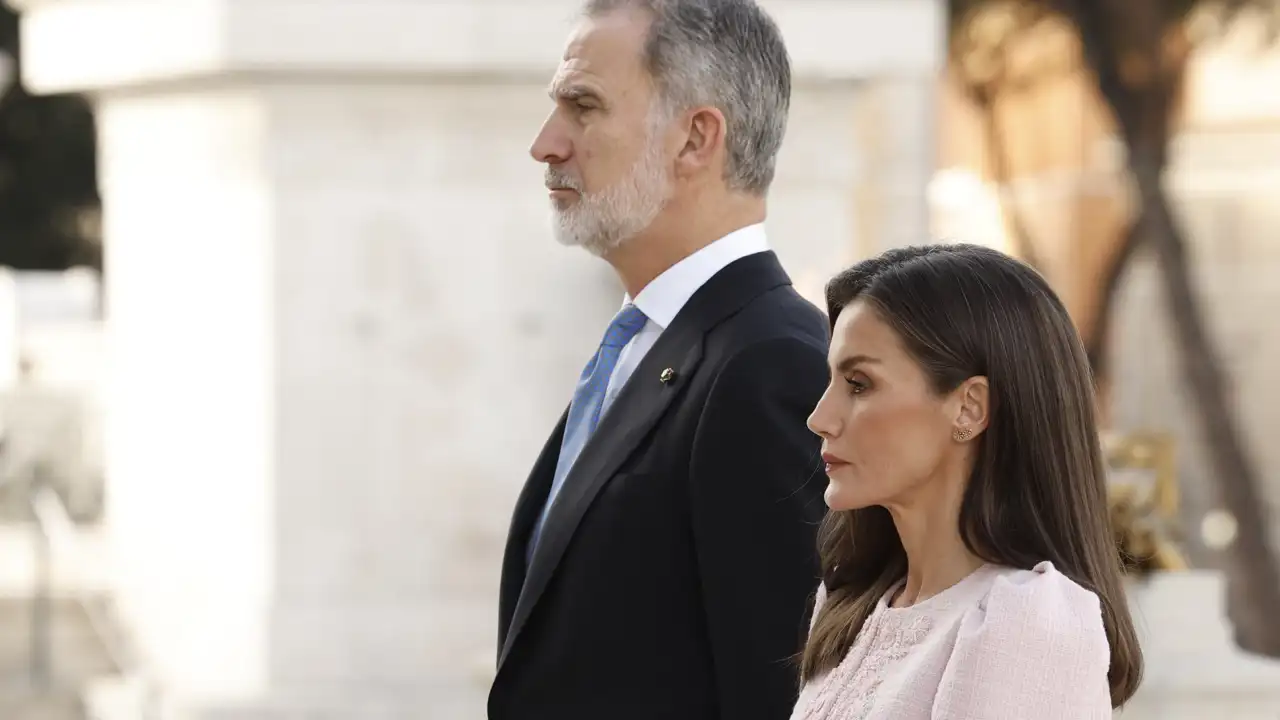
[{"x": 839, "y": 498}]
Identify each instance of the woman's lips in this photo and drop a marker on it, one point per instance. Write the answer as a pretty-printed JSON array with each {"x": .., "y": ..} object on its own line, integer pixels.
[{"x": 832, "y": 462}]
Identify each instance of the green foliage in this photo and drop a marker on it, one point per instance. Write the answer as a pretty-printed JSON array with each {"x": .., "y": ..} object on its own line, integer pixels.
[{"x": 48, "y": 172}]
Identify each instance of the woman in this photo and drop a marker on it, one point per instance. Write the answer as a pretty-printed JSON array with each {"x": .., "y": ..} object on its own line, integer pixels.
[{"x": 968, "y": 570}]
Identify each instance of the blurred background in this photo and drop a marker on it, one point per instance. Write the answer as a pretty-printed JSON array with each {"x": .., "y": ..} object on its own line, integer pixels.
[{"x": 283, "y": 327}]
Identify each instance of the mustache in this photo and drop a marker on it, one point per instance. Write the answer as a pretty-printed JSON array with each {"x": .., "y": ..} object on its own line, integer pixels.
[{"x": 557, "y": 179}]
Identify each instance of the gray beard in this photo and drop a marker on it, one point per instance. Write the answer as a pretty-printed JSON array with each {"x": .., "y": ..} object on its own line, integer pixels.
[{"x": 604, "y": 221}]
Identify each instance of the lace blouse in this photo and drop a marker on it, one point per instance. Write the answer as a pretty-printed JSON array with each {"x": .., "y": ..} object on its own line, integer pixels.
[{"x": 1002, "y": 644}]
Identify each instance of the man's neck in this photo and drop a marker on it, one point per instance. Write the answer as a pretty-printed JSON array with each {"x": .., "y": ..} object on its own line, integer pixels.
[{"x": 670, "y": 240}]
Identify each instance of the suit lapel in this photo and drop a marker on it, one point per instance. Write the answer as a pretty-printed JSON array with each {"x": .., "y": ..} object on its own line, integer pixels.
[
  {"x": 525, "y": 515},
  {"x": 633, "y": 414},
  {"x": 635, "y": 411}
]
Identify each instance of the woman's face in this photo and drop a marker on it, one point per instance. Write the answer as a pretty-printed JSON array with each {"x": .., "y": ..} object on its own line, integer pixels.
[{"x": 885, "y": 433}]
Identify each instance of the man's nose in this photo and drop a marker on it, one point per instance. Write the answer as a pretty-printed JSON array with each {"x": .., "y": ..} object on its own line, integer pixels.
[{"x": 551, "y": 146}]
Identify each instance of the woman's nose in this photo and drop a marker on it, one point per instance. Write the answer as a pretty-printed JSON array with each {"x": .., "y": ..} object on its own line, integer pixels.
[{"x": 822, "y": 422}]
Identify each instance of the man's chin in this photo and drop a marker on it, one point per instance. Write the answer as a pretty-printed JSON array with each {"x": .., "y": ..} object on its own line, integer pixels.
[
  {"x": 598, "y": 238},
  {"x": 570, "y": 236},
  {"x": 593, "y": 245},
  {"x": 565, "y": 234}
]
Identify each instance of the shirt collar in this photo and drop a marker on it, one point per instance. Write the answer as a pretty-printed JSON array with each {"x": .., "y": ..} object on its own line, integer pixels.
[{"x": 663, "y": 298}]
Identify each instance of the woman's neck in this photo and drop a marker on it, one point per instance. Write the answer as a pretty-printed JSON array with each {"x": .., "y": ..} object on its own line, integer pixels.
[{"x": 937, "y": 558}]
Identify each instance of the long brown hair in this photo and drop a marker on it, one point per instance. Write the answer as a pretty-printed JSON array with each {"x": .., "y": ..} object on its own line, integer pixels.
[{"x": 1038, "y": 488}]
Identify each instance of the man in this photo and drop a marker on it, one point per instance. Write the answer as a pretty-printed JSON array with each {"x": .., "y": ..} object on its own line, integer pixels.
[{"x": 662, "y": 555}]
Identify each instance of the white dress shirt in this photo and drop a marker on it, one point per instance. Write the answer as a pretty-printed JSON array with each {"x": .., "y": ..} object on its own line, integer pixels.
[{"x": 663, "y": 298}]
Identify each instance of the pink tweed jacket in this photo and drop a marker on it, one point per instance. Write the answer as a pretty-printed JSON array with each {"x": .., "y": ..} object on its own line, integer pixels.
[{"x": 1002, "y": 644}]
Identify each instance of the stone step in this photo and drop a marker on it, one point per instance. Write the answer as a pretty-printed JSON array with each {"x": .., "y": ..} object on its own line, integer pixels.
[
  {"x": 17, "y": 705},
  {"x": 75, "y": 651},
  {"x": 1193, "y": 669}
]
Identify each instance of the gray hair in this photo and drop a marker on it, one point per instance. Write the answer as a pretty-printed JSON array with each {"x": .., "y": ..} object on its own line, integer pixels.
[{"x": 728, "y": 54}]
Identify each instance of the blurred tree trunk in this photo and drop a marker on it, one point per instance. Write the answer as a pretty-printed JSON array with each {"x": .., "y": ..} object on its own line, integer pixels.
[
  {"x": 1139, "y": 83},
  {"x": 981, "y": 64},
  {"x": 1097, "y": 343},
  {"x": 1002, "y": 173}
]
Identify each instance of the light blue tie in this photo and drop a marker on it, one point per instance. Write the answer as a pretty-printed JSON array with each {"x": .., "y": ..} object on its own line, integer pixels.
[{"x": 588, "y": 398}]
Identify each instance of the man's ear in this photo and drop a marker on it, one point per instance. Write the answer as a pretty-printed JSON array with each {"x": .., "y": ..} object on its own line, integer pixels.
[{"x": 703, "y": 142}]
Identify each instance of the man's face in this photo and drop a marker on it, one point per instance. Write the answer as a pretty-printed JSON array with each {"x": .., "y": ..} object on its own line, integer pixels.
[{"x": 603, "y": 144}]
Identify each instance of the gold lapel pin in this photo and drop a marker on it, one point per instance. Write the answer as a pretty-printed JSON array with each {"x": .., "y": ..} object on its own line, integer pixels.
[{"x": 667, "y": 376}]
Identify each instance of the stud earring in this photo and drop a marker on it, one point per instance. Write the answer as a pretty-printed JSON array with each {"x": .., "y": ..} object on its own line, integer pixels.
[{"x": 962, "y": 434}]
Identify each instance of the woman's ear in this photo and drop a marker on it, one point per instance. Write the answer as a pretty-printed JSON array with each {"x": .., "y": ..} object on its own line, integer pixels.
[{"x": 975, "y": 406}]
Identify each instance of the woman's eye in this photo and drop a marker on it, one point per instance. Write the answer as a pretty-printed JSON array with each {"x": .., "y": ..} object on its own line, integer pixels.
[{"x": 857, "y": 387}]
